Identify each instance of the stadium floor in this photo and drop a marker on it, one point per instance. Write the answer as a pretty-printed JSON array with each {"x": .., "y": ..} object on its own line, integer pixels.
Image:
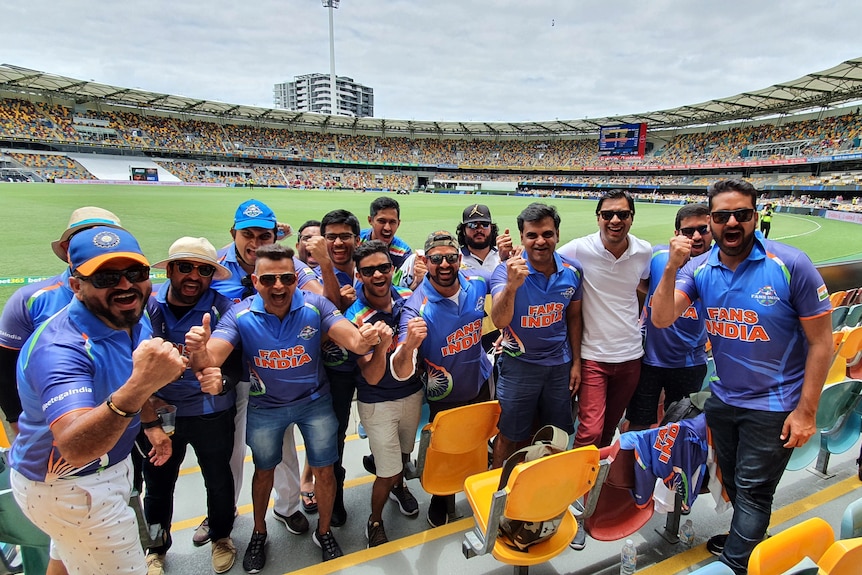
[{"x": 414, "y": 548}]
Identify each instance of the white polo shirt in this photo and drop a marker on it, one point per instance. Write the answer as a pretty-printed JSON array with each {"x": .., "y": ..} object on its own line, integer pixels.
[{"x": 610, "y": 304}]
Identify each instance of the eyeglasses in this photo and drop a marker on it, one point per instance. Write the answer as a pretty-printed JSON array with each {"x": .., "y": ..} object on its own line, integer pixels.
[
  {"x": 437, "y": 259},
  {"x": 307, "y": 237},
  {"x": 477, "y": 225},
  {"x": 689, "y": 232},
  {"x": 204, "y": 270},
  {"x": 723, "y": 216},
  {"x": 608, "y": 215},
  {"x": 268, "y": 280},
  {"x": 345, "y": 237},
  {"x": 368, "y": 271},
  {"x": 111, "y": 278}
]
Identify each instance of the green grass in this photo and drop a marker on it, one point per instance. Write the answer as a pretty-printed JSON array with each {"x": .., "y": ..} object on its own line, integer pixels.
[{"x": 34, "y": 215}]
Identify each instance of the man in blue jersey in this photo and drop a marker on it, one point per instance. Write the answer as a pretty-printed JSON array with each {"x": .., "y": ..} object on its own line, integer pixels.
[
  {"x": 768, "y": 318},
  {"x": 84, "y": 377},
  {"x": 537, "y": 304},
  {"x": 675, "y": 357},
  {"x": 385, "y": 217},
  {"x": 389, "y": 409},
  {"x": 441, "y": 331},
  {"x": 281, "y": 330},
  {"x": 29, "y": 306},
  {"x": 204, "y": 417},
  {"x": 255, "y": 225}
]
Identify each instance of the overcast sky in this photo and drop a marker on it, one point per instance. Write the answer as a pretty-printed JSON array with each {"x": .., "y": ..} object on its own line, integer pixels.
[{"x": 515, "y": 60}]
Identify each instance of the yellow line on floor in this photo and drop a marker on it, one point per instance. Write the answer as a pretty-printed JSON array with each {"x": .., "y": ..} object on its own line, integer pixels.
[{"x": 688, "y": 558}]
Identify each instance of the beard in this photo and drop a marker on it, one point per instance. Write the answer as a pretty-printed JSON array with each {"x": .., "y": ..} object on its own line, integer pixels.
[
  {"x": 473, "y": 244},
  {"x": 118, "y": 319}
]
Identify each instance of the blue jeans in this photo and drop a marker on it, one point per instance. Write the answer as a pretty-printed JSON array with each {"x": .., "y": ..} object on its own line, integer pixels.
[{"x": 752, "y": 459}]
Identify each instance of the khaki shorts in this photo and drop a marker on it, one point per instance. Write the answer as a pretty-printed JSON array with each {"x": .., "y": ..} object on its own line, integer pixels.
[{"x": 391, "y": 428}]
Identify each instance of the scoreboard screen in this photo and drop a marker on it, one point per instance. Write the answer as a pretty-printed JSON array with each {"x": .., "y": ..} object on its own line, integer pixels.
[
  {"x": 144, "y": 174},
  {"x": 623, "y": 140}
]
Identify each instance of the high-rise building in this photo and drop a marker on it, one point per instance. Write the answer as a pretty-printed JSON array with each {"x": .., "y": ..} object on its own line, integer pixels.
[{"x": 310, "y": 93}]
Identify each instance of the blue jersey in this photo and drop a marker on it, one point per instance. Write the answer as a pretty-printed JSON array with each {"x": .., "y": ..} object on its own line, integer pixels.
[
  {"x": 683, "y": 344},
  {"x": 29, "y": 306},
  {"x": 398, "y": 248},
  {"x": 454, "y": 361},
  {"x": 336, "y": 357},
  {"x": 72, "y": 362},
  {"x": 675, "y": 453},
  {"x": 753, "y": 321},
  {"x": 538, "y": 332},
  {"x": 232, "y": 287},
  {"x": 388, "y": 388},
  {"x": 282, "y": 356},
  {"x": 186, "y": 392}
]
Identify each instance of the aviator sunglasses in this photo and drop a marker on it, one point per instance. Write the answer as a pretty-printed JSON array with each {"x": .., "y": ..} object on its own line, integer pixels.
[
  {"x": 268, "y": 280},
  {"x": 111, "y": 278}
]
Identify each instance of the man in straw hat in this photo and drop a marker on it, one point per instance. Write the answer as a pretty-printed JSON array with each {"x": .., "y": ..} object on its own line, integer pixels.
[
  {"x": 88, "y": 373},
  {"x": 204, "y": 416}
]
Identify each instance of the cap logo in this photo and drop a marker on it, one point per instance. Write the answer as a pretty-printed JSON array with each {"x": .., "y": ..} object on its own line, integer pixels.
[
  {"x": 106, "y": 240},
  {"x": 252, "y": 211},
  {"x": 475, "y": 211}
]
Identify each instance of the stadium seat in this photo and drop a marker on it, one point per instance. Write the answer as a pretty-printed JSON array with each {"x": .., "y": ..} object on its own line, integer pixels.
[
  {"x": 851, "y": 521},
  {"x": 839, "y": 314},
  {"x": 784, "y": 550},
  {"x": 837, "y": 298},
  {"x": 536, "y": 491},
  {"x": 610, "y": 512},
  {"x": 849, "y": 347},
  {"x": 714, "y": 568},
  {"x": 844, "y": 557},
  {"x": 455, "y": 446},
  {"x": 854, "y": 315}
]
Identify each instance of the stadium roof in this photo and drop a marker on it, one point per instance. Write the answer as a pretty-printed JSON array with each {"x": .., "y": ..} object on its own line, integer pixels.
[{"x": 836, "y": 86}]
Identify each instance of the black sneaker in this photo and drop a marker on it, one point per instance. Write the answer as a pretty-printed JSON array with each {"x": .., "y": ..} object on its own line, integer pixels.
[
  {"x": 715, "y": 544},
  {"x": 328, "y": 545},
  {"x": 255, "y": 554},
  {"x": 375, "y": 534},
  {"x": 369, "y": 464},
  {"x": 579, "y": 541},
  {"x": 405, "y": 500},
  {"x": 438, "y": 512},
  {"x": 296, "y": 523}
]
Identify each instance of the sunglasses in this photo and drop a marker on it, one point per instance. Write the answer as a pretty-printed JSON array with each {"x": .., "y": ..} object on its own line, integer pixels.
[
  {"x": 723, "y": 216},
  {"x": 608, "y": 215},
  {"x": 111, "y": 278},
  {"x": 689, "y": 232},
  {"x": 437, "y": 259},
  {"x": 368, "y": 271},
  {"x": 345, "y": 237},
  {"x": 268, "y": 280},
  {"x": 204, "y": 270},
  {"x": 477, "y": 225}
]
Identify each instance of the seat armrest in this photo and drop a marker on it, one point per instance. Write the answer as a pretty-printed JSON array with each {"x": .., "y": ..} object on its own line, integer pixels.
[{"x": 477, "y": 542}]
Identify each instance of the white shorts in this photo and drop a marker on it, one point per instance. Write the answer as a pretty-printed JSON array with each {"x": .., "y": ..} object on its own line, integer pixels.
[{"x": 92, "y": 527}]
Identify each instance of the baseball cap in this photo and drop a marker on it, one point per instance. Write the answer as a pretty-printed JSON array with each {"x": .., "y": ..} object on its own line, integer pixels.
[
  {"x": 84, "y": 218},
  {"x": 254, "y": 214},
  {"x": 440, "y": 238},
  {"x": 195, "y": 250},
  {"x": 476, "y": 213},
  {"x": 93, "y": 247}
]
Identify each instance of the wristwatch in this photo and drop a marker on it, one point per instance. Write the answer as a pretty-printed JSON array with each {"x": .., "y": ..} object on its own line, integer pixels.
[{"x": 151, "y": 424}]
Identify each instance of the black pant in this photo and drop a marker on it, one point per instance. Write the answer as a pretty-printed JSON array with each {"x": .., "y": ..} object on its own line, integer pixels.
[
  {"x": 764, "y": 228},
  {"x": 211, "y": 436},
  {"x": 342, "y": 386}
]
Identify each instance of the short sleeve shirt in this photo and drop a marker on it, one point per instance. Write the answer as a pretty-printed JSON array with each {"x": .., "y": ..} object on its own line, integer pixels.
[
  {"x": 753, "y": 319},
  {"x": 398, "y": 248},
  {"x": 72, "y": 362},
  {"x": 232, "y": 287},
  {"x": 30, "y": 305}
]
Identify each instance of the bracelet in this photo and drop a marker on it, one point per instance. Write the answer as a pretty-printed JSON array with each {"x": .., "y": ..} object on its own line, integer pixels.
[
  {"x": 151, "y": 424},
  {"x": 117, "y": 410}
]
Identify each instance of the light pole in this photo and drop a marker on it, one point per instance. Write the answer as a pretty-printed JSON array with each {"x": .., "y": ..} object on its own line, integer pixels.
[{"x": 332, "y": 5}]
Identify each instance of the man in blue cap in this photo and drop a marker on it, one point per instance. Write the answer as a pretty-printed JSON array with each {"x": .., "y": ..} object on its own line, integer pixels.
[{"x": 84, "y": 378}]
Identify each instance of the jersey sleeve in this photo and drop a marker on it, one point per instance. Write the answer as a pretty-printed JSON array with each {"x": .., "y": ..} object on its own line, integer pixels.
[{"x": 499, "y": 278}]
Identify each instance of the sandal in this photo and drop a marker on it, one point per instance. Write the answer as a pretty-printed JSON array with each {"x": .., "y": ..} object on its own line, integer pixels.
[{"x": 308, "y": 496}]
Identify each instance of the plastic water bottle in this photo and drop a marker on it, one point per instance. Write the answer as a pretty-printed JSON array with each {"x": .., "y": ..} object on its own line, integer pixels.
[
  {"x": 628, "y": 558},
  {"x": 686, "y": 534}
]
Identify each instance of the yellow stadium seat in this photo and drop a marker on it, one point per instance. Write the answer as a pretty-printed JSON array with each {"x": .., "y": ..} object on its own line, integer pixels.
[
  {"x": 844, "y": 557},
  {"x": 536, "y": 491},
  {"x": 779, "y": 553}
]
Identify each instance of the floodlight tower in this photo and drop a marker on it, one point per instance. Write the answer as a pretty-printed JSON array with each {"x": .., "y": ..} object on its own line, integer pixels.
[{"x": 332, "y": 5}]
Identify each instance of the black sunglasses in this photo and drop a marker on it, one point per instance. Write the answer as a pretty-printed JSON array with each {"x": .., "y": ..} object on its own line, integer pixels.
[
  {"x": 368, "y": 271},
  {"x": 477, "y": 225},
  {"x": 689, "y": 232},
  {"x": 437, "y": 259},
  {"x": 608, "y": 215},
  {"x": 111, "y": 278},
  {"x": 723, "y": 216},
  {"x": 268, "y": 280},
  {"x": 204, "y": 270}
]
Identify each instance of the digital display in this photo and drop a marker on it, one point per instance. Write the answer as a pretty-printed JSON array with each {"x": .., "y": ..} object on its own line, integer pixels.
[
  {"x": 145, "y": 174},
  {"x": 623, "y": 140}
]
